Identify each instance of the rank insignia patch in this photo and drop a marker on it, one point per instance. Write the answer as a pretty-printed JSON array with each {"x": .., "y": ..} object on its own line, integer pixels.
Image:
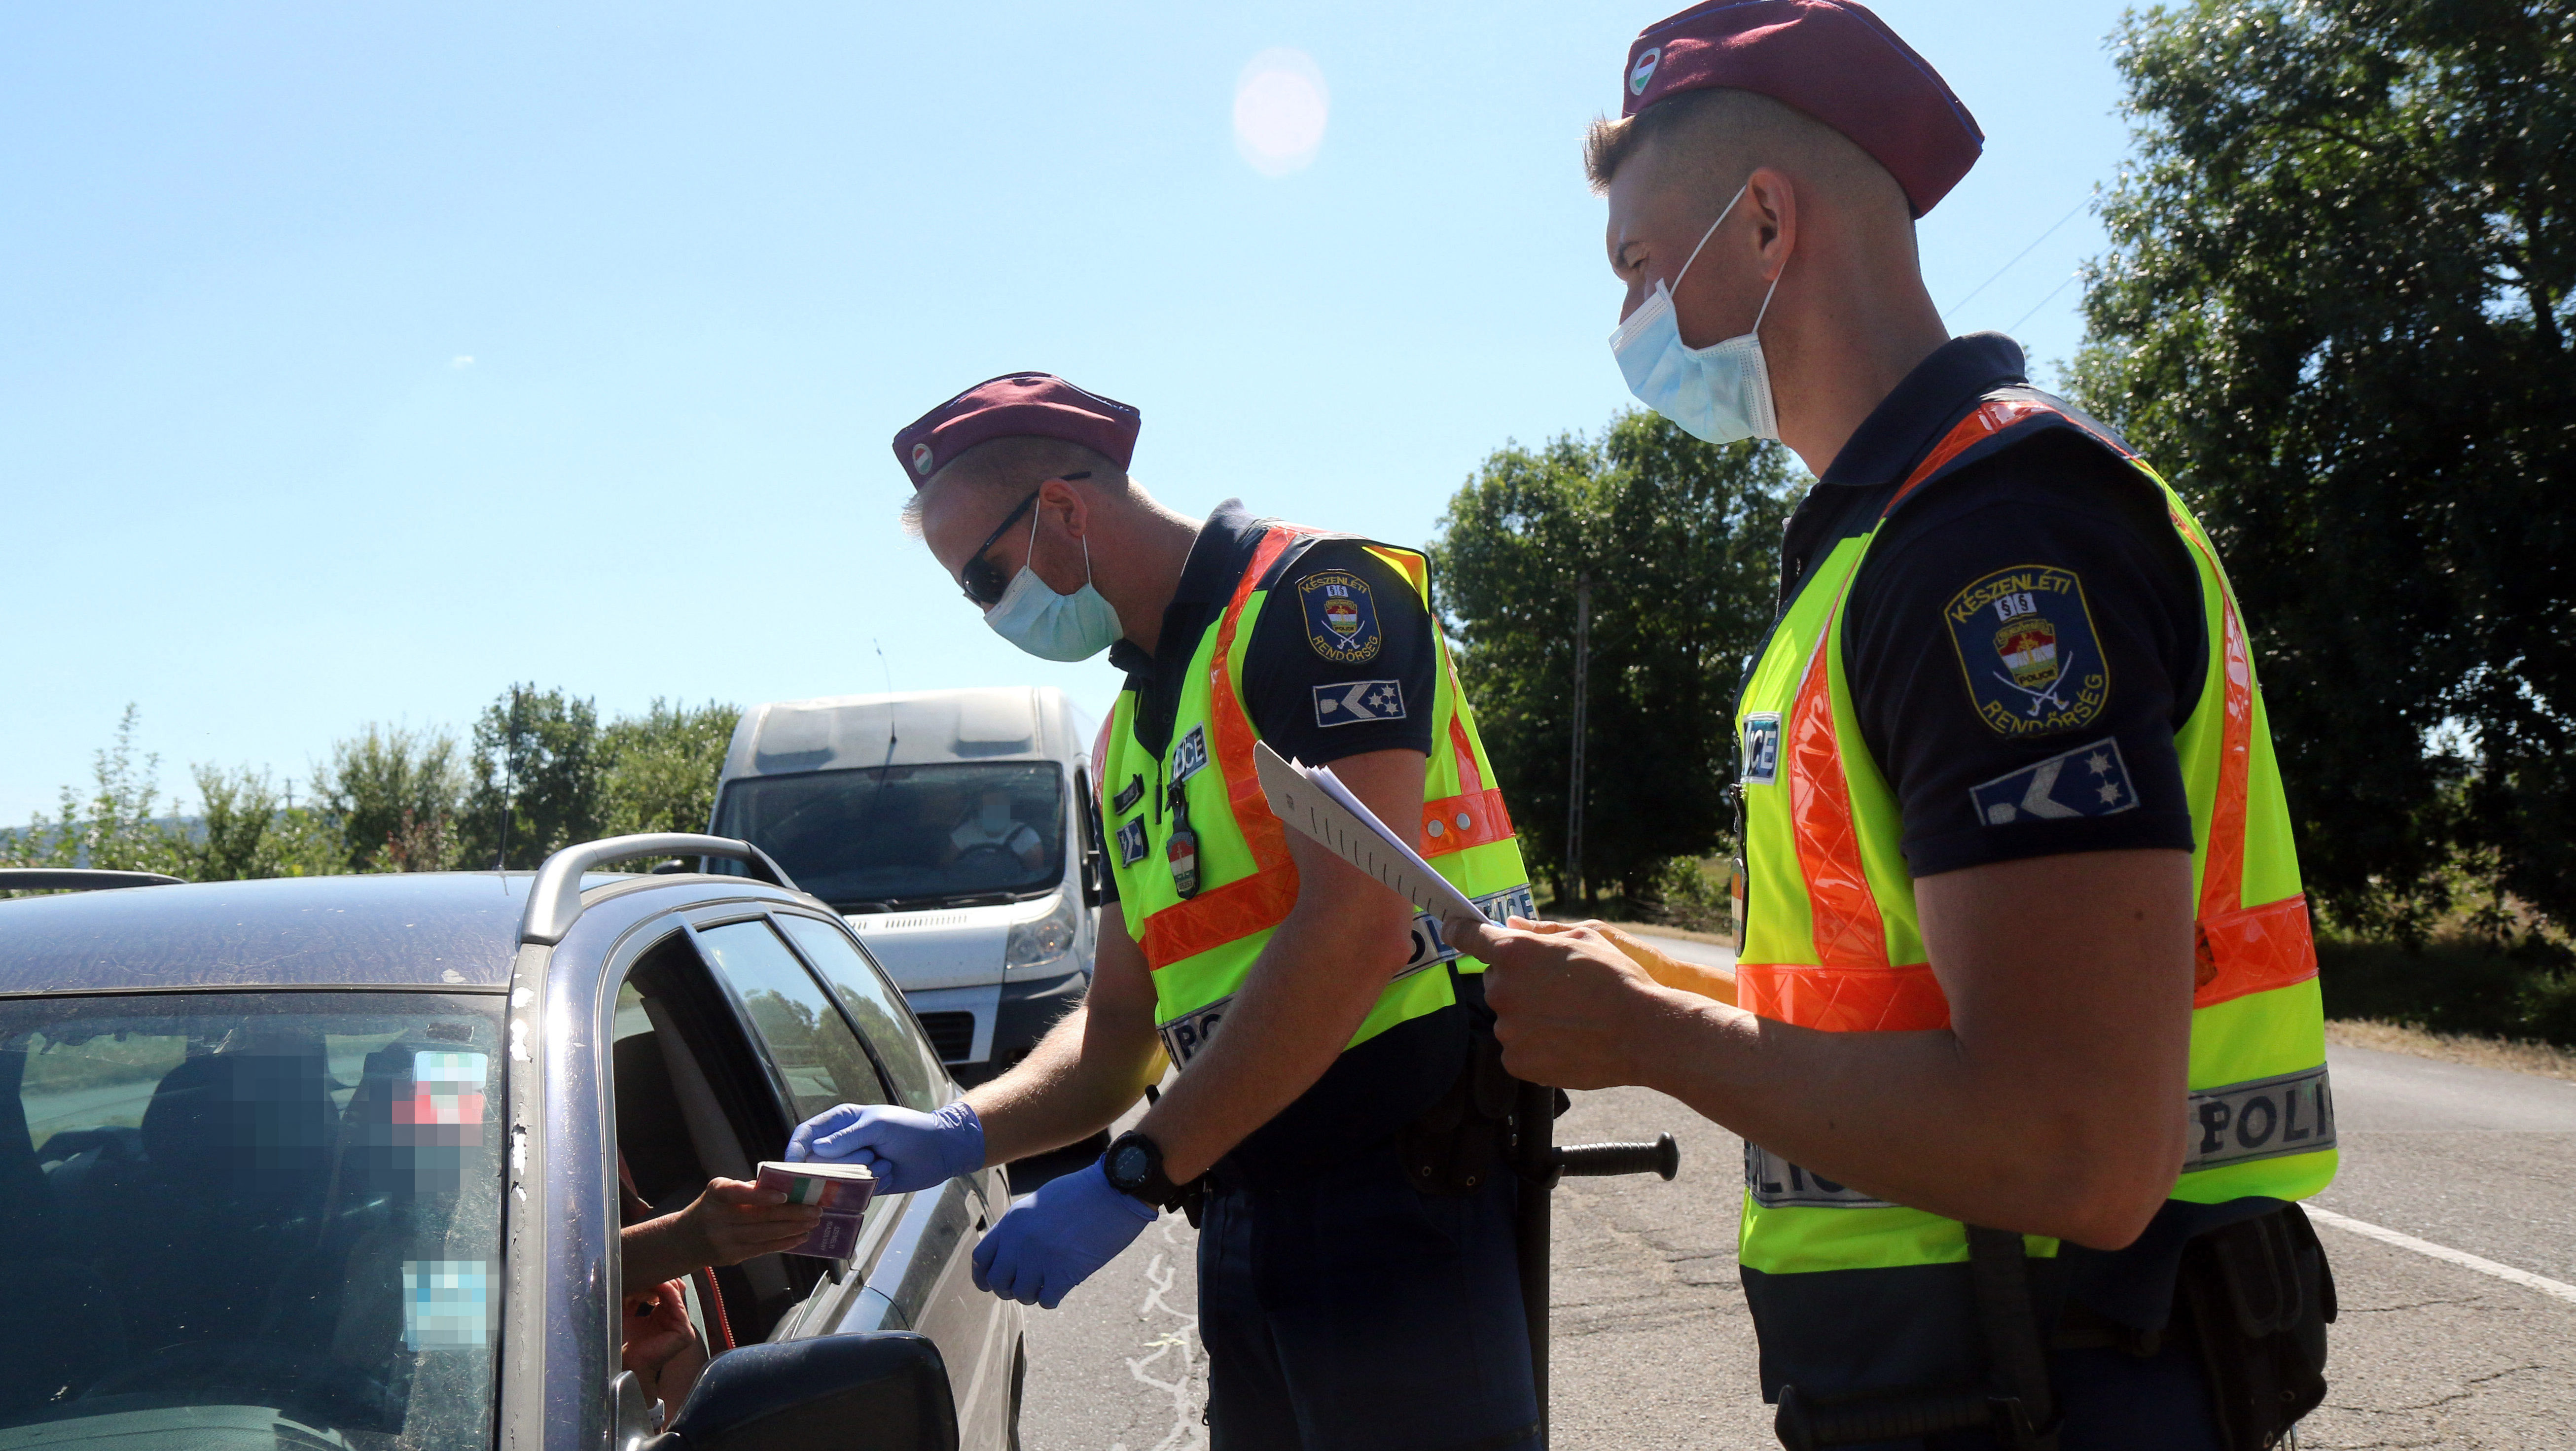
[
  {"x": 2087, "y": 781},
  {"x": 2027, "y": 650},
  {"x": 1352, "y": 701},
  {"x": 1341, "y": 616}
]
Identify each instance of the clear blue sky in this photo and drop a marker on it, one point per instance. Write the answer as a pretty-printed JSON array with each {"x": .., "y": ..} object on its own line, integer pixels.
[{"x": 357, "y": 360}]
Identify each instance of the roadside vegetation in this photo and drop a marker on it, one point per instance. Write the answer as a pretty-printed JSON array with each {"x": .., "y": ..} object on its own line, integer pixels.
[{"x": 538, "y": 770}]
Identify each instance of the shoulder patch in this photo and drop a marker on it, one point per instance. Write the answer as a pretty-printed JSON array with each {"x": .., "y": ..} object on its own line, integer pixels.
[
  {"x": 1341, "y": 616},
  {"x": 2027, "y": 651},
  {"x": 1350, "y": 702},
  {"x": 2086, "y": 781}
]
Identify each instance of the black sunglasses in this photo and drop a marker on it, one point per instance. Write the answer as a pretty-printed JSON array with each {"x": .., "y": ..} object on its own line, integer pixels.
[{"x": 982, "y": 578}]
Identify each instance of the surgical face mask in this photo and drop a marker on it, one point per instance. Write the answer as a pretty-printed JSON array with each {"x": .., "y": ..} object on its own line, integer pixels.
[
  {"x": 1722, "y": 392},
  {"x": 1031, "y": 615}
]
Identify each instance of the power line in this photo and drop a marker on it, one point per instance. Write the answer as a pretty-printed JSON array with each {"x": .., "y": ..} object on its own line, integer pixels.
[
  {"x": 2024, "y": 252},
  {"x": 2043, "y": 302}
]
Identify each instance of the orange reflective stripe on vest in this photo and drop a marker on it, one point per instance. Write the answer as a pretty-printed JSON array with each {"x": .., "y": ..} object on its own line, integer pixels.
[
  {"x": 1246, "y": 905},
  {"x": 1853, "y": 988},
  {"x": 1473, "y": 817},
  {"x": 2239, "y": 949}
]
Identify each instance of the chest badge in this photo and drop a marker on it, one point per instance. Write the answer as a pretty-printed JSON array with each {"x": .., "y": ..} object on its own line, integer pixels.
[
  {"x": 1761, "y": 748},
  {"x": 1341, "y": 616},
  {"x": 2028, "y": 652},
  {"x": 1181, "y": 849},
  {"x": 1190, "y": 756}
]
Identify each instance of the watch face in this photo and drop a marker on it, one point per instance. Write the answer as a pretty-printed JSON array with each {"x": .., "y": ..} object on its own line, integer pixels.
[{"x": 1127, "y": 1166}]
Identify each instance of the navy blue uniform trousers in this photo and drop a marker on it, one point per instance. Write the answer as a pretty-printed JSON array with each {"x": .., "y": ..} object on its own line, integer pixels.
[
  {"x": 2113, "y": 1401},
  {"x": 1343, "y": 1310}
]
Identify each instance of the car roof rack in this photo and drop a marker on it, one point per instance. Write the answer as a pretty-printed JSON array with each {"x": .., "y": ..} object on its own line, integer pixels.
[
  {"x": 554, "y": 902},
  {"x": 78, "y": 879}
]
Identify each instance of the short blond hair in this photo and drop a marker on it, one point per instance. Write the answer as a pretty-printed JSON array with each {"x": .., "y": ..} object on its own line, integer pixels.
[{"x": 1726, "y": 133}]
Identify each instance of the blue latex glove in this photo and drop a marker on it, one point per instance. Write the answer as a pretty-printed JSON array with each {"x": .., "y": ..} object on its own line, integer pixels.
[
  {"x": 1056, "y": 1238},
  {"x": 906, "y": 1148}
]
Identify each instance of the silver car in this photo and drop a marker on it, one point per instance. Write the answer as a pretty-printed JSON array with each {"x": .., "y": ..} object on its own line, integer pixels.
[{"x": 335, "y": 1162}]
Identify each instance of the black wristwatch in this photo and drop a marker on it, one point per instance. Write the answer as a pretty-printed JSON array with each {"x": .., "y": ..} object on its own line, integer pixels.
[{"x": 1134, "y": 1167}]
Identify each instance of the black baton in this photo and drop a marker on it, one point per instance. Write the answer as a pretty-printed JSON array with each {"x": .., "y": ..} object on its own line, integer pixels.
[{"x": 1539, "y": 1163}]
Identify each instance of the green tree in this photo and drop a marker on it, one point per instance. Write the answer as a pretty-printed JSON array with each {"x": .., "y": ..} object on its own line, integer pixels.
[
  {"x": 538, "y": 779},
  {"x": 118, "y": 827},
  {"x": 245, "y": 829},
  {"x": 1678, "y": 538},
  {"x": 2336, "y": 314},
  {"x": 394, "y": 796},
  {"x": 661, "y": 767}
]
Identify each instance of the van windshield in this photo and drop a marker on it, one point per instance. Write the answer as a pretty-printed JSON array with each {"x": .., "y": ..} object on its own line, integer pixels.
[{"x": 882, "y": 838}]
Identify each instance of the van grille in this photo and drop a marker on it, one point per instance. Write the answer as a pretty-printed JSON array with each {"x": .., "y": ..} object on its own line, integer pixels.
[
  {"x": 953, "y": 1034},
  {"x": 909, "y": 924}
]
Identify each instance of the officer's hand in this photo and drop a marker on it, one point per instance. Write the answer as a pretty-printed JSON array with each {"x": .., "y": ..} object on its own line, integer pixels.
[
  {"x": 1054, "y": 1239},
  {"x": 908, "y": 1150},
  {"x": 1568, "y": 1004}
]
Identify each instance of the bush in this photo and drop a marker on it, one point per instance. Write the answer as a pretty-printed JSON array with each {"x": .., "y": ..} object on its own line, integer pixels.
[
  {"x": 1691, "y": 892},
  {"x": 2458, "y": 982}
]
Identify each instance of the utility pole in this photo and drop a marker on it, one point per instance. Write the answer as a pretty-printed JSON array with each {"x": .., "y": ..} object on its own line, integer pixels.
[{"x": 1574, "y": 787}]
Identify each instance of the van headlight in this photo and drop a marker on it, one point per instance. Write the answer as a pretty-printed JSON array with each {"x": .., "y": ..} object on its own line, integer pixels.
[{"x": 1042, "y": 940}]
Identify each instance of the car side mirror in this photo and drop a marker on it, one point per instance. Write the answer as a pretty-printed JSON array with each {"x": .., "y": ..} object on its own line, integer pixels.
[{"x": 876, "y": 1389}]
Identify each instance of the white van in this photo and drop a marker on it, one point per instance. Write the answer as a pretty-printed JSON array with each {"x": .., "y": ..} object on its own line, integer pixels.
[{"x": 955, "y": 830}]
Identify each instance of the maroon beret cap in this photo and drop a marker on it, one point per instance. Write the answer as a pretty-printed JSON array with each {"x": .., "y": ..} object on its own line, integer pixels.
[
  {"x": 1039, "y": 405},
  {"x": 1829, "y": 58}
]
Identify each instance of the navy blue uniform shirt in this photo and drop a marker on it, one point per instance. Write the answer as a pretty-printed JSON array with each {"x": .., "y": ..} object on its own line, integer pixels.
[
  {"x": 2024, "y": 636},
  {"x": 1341, "y": 662}
]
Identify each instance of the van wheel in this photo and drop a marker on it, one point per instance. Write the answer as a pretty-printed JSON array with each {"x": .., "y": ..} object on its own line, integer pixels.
[{"x": 1019, "y": 1384}]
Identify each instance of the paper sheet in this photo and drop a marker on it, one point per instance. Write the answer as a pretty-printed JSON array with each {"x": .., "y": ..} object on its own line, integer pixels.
[{"x": 1313, "y": 800}]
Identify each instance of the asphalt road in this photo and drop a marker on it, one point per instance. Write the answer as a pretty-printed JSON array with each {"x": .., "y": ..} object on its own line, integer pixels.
[{"x": 1653, "y": 1348}]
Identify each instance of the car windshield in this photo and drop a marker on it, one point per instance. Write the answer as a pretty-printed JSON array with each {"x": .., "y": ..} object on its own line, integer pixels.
[
  {"x": 250, "y": 1221},
  {"x": 908, "y": 836}
]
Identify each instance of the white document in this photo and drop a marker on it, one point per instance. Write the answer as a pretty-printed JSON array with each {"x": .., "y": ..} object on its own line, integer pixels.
[{"x": 1313, "y": 800}]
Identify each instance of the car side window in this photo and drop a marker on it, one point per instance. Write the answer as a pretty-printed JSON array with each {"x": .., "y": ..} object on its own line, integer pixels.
[
  {"x": 813, "y": 1047},
  {"x": 875, "y": 1006}
]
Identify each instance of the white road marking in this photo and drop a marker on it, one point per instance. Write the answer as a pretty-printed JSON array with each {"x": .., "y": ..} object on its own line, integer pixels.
[
  {"x": 2525, "y": 1278},
  {"x": 1188, "y": 1432}
]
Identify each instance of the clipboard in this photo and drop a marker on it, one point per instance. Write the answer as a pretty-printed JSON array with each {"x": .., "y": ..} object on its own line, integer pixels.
[{"x": 1314, "y": 801}]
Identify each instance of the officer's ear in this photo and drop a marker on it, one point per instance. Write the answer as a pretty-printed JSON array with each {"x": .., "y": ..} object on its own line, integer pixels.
[
  {"x": 1069, "y": 502},
  {"x": 1773, "y": 198}
]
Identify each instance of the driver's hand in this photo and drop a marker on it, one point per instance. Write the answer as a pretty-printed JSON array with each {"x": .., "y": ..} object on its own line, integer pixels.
[{"x": 735, "y": 1220}]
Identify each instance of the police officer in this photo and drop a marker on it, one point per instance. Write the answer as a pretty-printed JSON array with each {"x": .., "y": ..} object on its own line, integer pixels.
[
  {"x": 2023, "y": 931},
  {"x": 1351, "y": 1296}
]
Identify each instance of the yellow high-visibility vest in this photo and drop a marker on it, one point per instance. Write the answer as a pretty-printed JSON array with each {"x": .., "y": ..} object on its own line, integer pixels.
[
  {"x": 1201, "y": 902},
  {"x": 1852, "y": 1293}
]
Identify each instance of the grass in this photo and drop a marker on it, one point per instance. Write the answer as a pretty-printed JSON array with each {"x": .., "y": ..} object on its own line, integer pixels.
[{"x": 2544, "y": 1059}]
